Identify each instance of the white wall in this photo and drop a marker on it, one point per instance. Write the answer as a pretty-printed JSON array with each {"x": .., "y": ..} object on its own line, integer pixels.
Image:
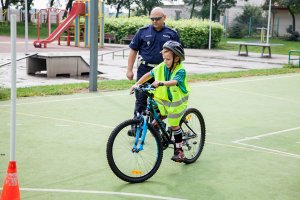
[{"x": 283, "y": 19}]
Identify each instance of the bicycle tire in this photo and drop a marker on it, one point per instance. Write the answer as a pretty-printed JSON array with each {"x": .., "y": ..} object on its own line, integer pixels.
[
  {"x": 129, "y": 166},
  {"x": 193, "y": 147}
]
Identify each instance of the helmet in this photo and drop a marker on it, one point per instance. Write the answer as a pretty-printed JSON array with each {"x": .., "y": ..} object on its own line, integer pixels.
[{"x": 175, "y": 47}]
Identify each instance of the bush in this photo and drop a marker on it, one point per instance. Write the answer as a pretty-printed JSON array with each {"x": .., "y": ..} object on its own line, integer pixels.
[
  {"x": 236, "y": 31},
  {"x": 293, "y": 35},
  {"x": 193, "y": 32}
]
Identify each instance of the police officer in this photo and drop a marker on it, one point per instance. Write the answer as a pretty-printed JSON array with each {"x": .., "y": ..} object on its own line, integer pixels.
[{"x": 147, "y": 44}]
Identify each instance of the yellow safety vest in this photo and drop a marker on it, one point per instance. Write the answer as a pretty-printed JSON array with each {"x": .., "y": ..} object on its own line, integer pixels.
[{"x": 173, "y": 109}]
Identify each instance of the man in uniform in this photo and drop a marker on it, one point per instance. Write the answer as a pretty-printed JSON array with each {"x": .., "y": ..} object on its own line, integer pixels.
[{"x": 147, "y": 44}]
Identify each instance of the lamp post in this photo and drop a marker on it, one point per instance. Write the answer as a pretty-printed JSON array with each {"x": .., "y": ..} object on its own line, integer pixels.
[
  {"x": 26, "y": 27},
  {"x": 269, "y": 20},
  {"x": 94, "y": 46},
  {"x": 210, "y": 23}
]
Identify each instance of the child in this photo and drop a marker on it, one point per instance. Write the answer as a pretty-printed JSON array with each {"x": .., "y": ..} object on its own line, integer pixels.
[{"x": 172, "y": 90}]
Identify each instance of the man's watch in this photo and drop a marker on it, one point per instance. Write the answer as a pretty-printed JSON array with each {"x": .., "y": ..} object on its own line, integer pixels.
[{"x": 161, "y": 84}]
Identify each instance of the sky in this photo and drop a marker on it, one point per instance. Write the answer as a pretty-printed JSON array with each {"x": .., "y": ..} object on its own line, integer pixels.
[{"x": 38, "y": 4}]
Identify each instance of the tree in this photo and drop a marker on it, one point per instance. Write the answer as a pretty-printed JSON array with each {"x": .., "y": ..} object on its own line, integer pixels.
[
  {"x": 21, "y": 3},
  {"x": 256, "y": 15},
  {"x": 4, "y": 5},
  {"x": 192, "y": 3},
  {"x": 145, "y": 6},
  {"x": 51, "y": 2},
  {"x": 118, "y": 3},
  {"x": 68, "y": 7},
  {"x": 218, "y": 7},
  {"x": 293, "y": 7},
  {"x": 128, "y": 4}
]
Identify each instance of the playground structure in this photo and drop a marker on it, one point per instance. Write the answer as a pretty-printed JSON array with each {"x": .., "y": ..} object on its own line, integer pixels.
[{"x": 78, "y": 31}]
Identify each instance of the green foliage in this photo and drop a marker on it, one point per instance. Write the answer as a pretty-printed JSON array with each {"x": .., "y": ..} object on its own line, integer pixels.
[
  {"x": 32, "y": 30},
  {"x": 242, "y": 22},
  {"x": 256, "y": 15},
  {"x": 193, "y": 32},
  {"x": 218, "y": 7},
  {"x": 236, "y": 30},
  {"x": 292, "y": 5},
  {"x": 145, "y": 6},
  {"x": 293, "y": 35}
]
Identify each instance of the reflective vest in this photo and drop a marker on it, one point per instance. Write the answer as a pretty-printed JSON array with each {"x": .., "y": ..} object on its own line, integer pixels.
[{"x": 173, "y": 109}]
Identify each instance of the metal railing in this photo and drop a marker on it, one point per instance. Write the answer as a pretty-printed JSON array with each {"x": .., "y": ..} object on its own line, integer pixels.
[
  {"x": 3, "y": 64},
  {"x": 113, "y": 53}
]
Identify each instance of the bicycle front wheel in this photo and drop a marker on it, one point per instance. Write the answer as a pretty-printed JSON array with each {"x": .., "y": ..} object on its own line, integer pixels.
[
  {"x": 193, "y": 126},
  {"x": 130, "y": 166}
]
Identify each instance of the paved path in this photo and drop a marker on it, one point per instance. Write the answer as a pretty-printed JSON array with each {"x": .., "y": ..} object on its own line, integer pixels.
[{"x": 113, "y": 66}]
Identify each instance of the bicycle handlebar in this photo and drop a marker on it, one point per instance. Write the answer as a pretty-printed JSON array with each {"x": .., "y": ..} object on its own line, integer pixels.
[{"x": 145, "y": 88}]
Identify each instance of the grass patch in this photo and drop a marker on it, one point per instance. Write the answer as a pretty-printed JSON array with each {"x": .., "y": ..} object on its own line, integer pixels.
[
  {"x": 239, "y": 74},
  {"x": 125, "y": 84},
  {"x": 287, "y": 45},
  {"x": 65, "y": 89},
  {"x": 32, "y": 30}
]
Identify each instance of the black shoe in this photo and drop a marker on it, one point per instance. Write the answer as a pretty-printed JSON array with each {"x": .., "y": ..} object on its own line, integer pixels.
[
  {"x": 131, "y": 133},
  {"x": 178, "y": 156}
]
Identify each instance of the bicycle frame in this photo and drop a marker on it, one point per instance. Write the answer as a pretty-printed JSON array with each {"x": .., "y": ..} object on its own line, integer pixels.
[{"x": 144, "y": 119}]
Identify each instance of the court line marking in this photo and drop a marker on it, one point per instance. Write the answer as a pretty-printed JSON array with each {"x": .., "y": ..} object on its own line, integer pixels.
[
  {"x": 266, "y": 134},
  {"x": 242, "y": 142},
  {"x": 250, "y": 80},
  {"x": 283, "y": 153},
  {"x": 193, "y": 86},
  {"x": 64, "y": 120},
  {"x": 100, "y": 192},
  {"x": 68, "y": 99},
  {"x": 253, "y": 149},
  {"x": 265, "y": 150},
  {"x": 258, "y": 94}
]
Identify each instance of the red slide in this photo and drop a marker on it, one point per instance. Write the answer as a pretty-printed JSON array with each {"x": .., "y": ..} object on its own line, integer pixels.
[{"x": 78, "y": 8}]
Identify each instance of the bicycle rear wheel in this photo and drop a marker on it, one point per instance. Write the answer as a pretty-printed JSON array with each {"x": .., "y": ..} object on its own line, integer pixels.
[
  {"x": 193, "y": 126},
  {"x": 133, "y": 167}
]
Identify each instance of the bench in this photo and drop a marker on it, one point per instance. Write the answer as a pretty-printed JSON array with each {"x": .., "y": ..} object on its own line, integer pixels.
[
  {"x": 263, "y": 45},
  {"x": 127, "y": 39},
  {"x": 110, "y": 37},
  {"x": 294, "y": 51}
]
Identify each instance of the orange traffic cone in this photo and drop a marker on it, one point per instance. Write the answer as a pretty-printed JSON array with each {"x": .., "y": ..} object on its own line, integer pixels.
[{"x": 10, "y": 189}]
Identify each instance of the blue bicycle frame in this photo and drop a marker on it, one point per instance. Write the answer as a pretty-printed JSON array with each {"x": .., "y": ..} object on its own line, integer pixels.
[{"x": 144, "y": 118}]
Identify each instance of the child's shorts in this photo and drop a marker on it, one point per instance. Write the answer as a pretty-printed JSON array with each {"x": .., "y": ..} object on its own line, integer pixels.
[{"x": 174, "y": 114}]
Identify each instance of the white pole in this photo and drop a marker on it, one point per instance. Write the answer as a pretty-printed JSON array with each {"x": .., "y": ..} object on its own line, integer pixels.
[
  {"x": 26, "y": 27},
  {"x": 13, "y": 36},
  {"x": 210, "y": 24},
  {"x": 269, "y": 20}
]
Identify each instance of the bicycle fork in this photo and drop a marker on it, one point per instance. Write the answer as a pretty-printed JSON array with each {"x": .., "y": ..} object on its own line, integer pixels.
[{"x": 139, "y": 141}]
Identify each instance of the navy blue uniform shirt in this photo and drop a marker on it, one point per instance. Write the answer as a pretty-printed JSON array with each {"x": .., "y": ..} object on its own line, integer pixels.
[{"x": 149, "y": 42}]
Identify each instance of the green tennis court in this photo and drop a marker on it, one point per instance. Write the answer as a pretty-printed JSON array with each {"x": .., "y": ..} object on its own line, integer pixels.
[{"x": 252, "y": 149}]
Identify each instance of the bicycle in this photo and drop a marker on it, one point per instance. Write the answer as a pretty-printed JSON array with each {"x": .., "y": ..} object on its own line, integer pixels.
[{"x": 136, "y": 158}]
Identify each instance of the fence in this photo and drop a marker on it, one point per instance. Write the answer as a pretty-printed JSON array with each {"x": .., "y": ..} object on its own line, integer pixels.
[{"x": 20, "y": 15}]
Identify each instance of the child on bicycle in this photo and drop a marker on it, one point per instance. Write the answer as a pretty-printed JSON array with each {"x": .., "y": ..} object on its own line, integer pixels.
[{"x": 172, "y": 90}]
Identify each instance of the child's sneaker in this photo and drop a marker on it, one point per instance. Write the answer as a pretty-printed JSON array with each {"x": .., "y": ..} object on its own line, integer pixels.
[
  {"x": 131, "y": 133},
  {"x": 178, "y": 155}
]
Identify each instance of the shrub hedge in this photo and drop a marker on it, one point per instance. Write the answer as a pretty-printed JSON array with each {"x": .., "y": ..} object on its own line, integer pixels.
[{"x": 193, "y": 33}]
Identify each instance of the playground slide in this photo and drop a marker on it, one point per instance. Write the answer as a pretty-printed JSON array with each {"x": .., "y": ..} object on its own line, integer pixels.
[{"x": 78, "y": 8}]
